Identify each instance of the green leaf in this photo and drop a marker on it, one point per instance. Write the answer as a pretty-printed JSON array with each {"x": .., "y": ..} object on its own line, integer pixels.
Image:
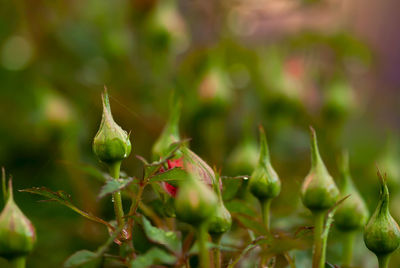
[
  {"x": 174, "y": 147},
  {"x": 174, "y": 174},
  {"x": 64, "y": 199},
  {"x": 231, "y": 187},
  {"x": 250, "y": 223},
  {"x": 152, "y": 257},
  {"x": 256, "y": 242},
  {"x": 241, "y": 207},
  {"x": 81, "y": 258},
  {"x": 113, "y": 186},
  {"x": 152, "y": 168},
  {"x": 168, "y": 239},
  {"x": 86, "y": 258}
]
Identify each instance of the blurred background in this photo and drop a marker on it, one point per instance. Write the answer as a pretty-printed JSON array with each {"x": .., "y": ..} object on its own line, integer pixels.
[{"x": 285, "y": 64}]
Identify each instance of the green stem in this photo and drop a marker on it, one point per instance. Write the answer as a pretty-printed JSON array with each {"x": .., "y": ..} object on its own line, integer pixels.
[
  {"x": 118, "y": 209},
  {"x": 217, "y": 252},
  {"x": 348, "y": 246},
  {"x": 18, "y": 262},
  {"x": 383, "y": 261},
  {"x": 265, "y": 207},
  {"x": 202, "y": 240},
  {"x": 318, "y": 252}
]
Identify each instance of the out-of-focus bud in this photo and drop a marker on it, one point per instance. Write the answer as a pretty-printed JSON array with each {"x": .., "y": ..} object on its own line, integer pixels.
[
  {"x": 17, "y": 234},
  {"x": 195, "y": 202},
  {"x": 319, "y": 191},
  {"x": 221, "y": 221},
  {"x": 352, "y": 214},
  {"x": 170, "y": 133},
  {"x": 339, "y": 100},
  {"x": 215, "y": 87},
  {"x": 243, "y": 159},
  {"x": 111, "y": 143},
  {"x": 388, "y": 161}
]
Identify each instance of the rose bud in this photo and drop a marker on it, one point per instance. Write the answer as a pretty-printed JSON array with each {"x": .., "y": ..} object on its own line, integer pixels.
[{"x": 111, "y": 143}]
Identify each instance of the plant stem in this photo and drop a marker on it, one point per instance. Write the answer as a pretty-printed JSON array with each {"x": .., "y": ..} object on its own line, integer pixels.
[
  {"x": 118, "y": 209},
  {"x": 383, "y": 260},
  {"x": 265, "y": 207},
  {"x": 318, "y": 252},
  {"x": 202, "y": 242},
  {"x": 135, "y": 204},
  {"x": 217, "y": 252},
  {"x": 348, "y": 245},
  {"x": 18, "y": 262}
]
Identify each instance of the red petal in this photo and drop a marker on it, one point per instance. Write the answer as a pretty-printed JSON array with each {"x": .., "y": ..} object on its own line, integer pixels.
[
  {"x": 175, "y": 163},
  {"x": 171, "y": 190}
]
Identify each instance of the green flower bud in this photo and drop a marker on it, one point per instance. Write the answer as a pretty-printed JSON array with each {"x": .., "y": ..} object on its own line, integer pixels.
[
  {"x": 264, "y": 182},
  {"x": 17, "y": 234},
  {"x": 170, "y": 133},
  {"x": 221, "y": 221},
  {"x": 382, "y": 234},
  {"x": 244, "y": 158},
  {"x": 214, "y": 89},
  {"x": 352, "y": 214},
  {"x": 111, "y": 143},
  {"x": 195, "y": 202},
  {"x": 388, "y": 161},
  {"x": 319, "y": 191}
]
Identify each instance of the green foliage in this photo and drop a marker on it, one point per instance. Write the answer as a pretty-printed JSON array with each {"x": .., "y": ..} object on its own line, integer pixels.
[
  {"x": 64, "y": 199},
  {"x": 174, "y": 175},
  {"x": 152, "y": 257},
  {"x": 233, "y": 67},
  {"x": 168, "y": 239},
  {"x": 82, "y": 258},
  {"x": 113, "y": 186}
]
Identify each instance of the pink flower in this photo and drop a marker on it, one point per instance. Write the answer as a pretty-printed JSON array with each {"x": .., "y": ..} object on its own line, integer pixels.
[{"x": 193, "y": 164}]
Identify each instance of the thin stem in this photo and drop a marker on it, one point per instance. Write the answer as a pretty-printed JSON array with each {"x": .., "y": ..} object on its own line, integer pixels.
[
  {"x": 18, "y": 262},
  {"x": 217, "y": 252},
  {"x": 202, "y": 240},
  {"x": 118, "y": 209},
  {"x": 383, "y": 261},
  {"x": 135, "y": 203},
  {"x": 289, "y": 260},
  {"x": 318, "y": 252},
  {"x": 265, "y": 207},
  {"x": 348, "y": 246}
]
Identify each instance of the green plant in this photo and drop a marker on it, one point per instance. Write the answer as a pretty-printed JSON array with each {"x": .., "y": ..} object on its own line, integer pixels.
[
  {"x": 353, "y": 214},
  {"x": 181, "y": 210},
  {"x": 319, "y": 194},
  {"x": 264, "y": 182},
  {"x": 17, "y": 234},
  {"x": 219, "y": 223},
  {"x": 382, "y": 233}
]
